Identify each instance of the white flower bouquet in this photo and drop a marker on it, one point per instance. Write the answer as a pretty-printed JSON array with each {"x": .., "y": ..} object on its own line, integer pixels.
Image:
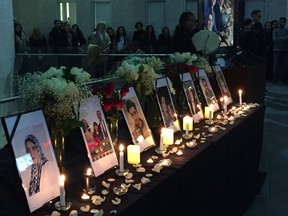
[{"x": 57, "y": 91}]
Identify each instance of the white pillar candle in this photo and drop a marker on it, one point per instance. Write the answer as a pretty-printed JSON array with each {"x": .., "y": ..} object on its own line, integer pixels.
[
  {"x": 62, "y": 190},
  {"x": 187, "y": 120},
  {"x": 211, "y": 112},
  {"x": 240, "y": 97},
  {"x": 225, "y": 103},
  {"x": 161, "y": 147},
  {"x": 206, "y": 112},
  {"x": 121, "y": 158},
  {"x": 133, "y": 154},
  {"x": 168, "y": 136}
]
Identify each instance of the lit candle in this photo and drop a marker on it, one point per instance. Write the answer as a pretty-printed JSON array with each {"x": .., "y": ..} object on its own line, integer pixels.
[
  {"x": 88, "y": 181},
  {"x": 188, "y": 121},
  {"x": 210, "y": 112},
  {"x": 62, "y": 190},
  {"x": 206, "y": 112},
  {"x": 225, "y": 103},
  {"x": 240, "y": 97},
  {"x": 133, "y": 154},
  {"x": 161, "y": 147},
  {"x": 121, "y": 158},
  {"x": 168, "y": 136}
]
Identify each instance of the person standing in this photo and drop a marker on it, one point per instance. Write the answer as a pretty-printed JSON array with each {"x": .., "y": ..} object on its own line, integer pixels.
[
  {"x": 280, "y": 53},
  {"x": 101, "y": 39},
  {"x": 101, "y": 125},
  {"x": 184, "y": 31}
]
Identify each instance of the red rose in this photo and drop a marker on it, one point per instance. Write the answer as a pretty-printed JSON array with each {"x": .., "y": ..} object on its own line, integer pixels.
[
  {"x": 124, "y": 91},
  {"x": 108, "y": 90},
  {"x": 118, "y": 104},
  {"x": 107, "y": 104}
]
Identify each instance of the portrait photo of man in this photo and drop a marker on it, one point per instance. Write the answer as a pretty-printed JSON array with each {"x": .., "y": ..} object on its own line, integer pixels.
[{"x": 138, "y": 125}]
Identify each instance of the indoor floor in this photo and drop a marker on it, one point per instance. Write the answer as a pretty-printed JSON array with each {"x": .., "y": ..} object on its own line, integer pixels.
[{"x": 273, "y": 197}]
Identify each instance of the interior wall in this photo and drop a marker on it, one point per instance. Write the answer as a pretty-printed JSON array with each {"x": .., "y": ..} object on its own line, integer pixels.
[{"x": 6, "y": 60}]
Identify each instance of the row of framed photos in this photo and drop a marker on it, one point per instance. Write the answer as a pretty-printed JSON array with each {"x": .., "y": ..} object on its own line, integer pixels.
[{"x": 29, "y": 135}]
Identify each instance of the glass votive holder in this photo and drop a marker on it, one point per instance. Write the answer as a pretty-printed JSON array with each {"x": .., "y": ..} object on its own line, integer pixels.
[{"x": 88, "y": 183}]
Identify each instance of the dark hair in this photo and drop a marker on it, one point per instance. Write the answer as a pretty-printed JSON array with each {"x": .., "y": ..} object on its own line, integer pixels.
[
  {"x": 56, "y": 20},
  {"x": 138, "y": 23},
  {"x": 117, "y": 36},
  {"x": 184, "y": 17},
  {"x": 247, "y": 22},
  {"x": 254, "y": 12},
  {"x": 283, "y": 18},
  {"x": 166, "y": 27},
  {"x": 78, "y": 29},
  {"x": 129, "y": 104}
]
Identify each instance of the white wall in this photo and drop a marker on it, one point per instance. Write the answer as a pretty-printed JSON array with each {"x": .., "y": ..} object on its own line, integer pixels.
[{"x": 6, "y": 59}]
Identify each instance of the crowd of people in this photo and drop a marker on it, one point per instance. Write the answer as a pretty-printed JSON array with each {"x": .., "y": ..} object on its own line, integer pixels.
[{"x": 268, "y": 43}]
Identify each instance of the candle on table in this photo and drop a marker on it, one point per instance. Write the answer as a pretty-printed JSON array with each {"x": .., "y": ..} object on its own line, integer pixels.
[
  {"x": 62, "y": 190},
  {"x": 88, "y": 181},
  {"x": 188, "y": 121},
  {"x": 161, "y": 147},
  {"x": 210, "y": 112},
  {"x": 133, "y": 154},
  {"x": 168, "y": 136},
  {"x": 121, "y": 158},
  {"x": 206, "y": 112},
  {"x": 240, "y": 97},
  {"x": 225, "y": 103}
]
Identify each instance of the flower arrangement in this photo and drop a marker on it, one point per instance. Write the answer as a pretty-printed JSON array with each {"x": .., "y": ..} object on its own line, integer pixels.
[
  {"x": 140, "y": 73},
  {"x": 56, "y": 91},
  {"x": 111, "y": 100}
]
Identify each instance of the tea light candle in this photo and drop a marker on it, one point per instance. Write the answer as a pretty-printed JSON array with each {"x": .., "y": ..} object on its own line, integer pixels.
[
  {"x": 219, "y": 117},
  {"x": 150, "y": 160},
  {"x": 62, "y": 190},
  {"x": 179, "y": 152},
  {"x": 240, "y": 97},
  {"x": 133, "y": 154},
  {"x": 88, "y": 181},
  {"x": 168, "y": 136},
  {"x": 121, "y": 158}
]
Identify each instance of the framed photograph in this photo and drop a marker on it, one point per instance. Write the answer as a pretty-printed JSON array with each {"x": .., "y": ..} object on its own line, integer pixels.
[
  {"x": 219, "y": 18},
  {"x": 192, "y": 97},
  {"x": 100, "y": 149},
  {"x": 222, "y": 83},
  {"x": 136, "y": 121},
  {"x": 34, "y": 154},
  {"x": 207, "y": 90},
  {"x": 167, "y": 108}
]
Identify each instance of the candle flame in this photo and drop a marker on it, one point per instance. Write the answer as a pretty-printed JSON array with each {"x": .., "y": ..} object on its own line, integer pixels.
[
  {"x": 89, "y": 171},
  {"x": 121, "y": 148},
  {"x": 62, "y": 178},
  {"x": 240, "y": 91}
]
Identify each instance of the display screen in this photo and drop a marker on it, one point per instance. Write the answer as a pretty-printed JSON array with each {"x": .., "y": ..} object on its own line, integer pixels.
[{"x": 219, "y": 18}]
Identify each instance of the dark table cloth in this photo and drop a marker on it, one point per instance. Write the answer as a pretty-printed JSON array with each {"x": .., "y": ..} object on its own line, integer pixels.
[{"x": 218, "y": 177}]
